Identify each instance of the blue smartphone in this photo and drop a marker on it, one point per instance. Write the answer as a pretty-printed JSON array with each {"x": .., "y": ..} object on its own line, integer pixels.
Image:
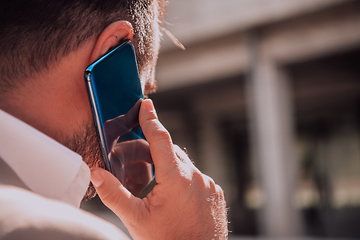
[{"x": 115, "y": 94}]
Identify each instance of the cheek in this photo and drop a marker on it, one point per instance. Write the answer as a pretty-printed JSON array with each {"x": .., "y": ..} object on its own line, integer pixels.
[
  {"x": 75, "y": 104},
  {"x": 81, "y": 103}
]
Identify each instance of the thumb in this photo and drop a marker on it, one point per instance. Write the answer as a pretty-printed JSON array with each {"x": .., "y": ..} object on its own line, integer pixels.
[{"x": 115, "y": 196}]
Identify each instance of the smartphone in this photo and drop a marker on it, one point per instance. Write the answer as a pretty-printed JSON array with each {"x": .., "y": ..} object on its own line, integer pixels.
[{"x": 115, "y": 94}]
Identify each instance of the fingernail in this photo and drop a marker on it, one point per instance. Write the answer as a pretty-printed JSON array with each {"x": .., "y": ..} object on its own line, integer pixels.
[
  {"x": 148, "y": 104},
  {"x": 96, "y": 177}
]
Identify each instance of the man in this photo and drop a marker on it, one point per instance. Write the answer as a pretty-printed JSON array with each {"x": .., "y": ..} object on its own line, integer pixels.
[{"x": 45, "y": 47}]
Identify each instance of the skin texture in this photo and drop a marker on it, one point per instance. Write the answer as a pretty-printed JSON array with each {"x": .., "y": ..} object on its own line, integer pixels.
[
  {"x": 184, "y": 205},
  {"x": 56, "y": 101}
]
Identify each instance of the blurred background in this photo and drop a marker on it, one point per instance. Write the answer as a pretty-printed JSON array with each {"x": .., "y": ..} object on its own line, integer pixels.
[{"x": 266, "y": 100}]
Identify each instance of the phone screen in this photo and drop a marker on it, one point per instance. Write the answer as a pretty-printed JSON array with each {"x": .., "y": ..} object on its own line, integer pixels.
[{"x": 115, "y": 94}]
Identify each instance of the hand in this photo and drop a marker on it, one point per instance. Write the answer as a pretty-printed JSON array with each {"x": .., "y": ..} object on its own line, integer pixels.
[{"x": 185, "y": 204}]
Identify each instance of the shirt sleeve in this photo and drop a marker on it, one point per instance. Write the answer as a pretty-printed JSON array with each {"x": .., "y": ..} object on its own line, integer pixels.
[{"x": 25, "y": 215}]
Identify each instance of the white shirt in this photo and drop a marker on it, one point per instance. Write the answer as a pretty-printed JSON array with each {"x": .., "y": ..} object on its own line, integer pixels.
[{"x": 44, "y": 165}]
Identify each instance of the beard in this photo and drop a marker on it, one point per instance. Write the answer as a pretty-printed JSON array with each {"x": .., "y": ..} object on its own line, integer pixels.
[
  {"x": 85, "y": 143},
  {"x": 85, "y": 140},
  {"x": 146, "y": 43}
]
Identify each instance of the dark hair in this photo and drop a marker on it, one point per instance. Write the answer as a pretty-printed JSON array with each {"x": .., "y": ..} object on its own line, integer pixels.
[{"x": 34, "y": 34}]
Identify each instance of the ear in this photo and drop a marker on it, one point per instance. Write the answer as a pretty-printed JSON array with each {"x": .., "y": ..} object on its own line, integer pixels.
[{"x": 110, "y": 37}]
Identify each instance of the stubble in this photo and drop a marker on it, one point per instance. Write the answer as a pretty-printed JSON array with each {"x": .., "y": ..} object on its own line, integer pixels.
[{"x": 85, "y": 143}]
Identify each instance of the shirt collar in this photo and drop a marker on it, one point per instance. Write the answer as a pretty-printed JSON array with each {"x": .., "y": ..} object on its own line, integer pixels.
[{"x": 44, "y": 165}]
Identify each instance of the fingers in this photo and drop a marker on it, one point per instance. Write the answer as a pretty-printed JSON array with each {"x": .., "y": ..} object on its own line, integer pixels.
[
  {"x": 182, "y": 156},
  {"x": 159, "y": 140},
  {"x": 114, "y": 195}
]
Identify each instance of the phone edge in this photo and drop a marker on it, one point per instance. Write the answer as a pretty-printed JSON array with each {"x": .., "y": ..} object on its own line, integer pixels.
[{"x": 96, "y": 117}]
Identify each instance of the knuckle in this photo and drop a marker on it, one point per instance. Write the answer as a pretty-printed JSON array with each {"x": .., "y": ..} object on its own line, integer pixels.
[
  {"x": 159, "y": 131},
  {"x": 203, "y": 181},
  {"x": 177, "y": 148},
  {"x": 199, "y": 178},
  {"x": 180, "y": 154},
  {"x": 212, "y": 185},
  {"x": 208, "y": 186},
  {"x": 162, "y": 133},
  {"x": 220, "y": 192}
]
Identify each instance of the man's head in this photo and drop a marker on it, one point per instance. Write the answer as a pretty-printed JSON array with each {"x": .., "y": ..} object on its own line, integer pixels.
[
  {"x": 45, "y": 47},
  {"x": 35, "y": 34}
]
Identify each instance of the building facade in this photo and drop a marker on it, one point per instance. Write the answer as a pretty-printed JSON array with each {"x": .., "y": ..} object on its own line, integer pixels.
[{"x": 265, "y": 99}]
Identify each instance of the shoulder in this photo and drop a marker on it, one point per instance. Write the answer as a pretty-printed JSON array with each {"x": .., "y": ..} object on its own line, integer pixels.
[{"x": 25, "y": 215}]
